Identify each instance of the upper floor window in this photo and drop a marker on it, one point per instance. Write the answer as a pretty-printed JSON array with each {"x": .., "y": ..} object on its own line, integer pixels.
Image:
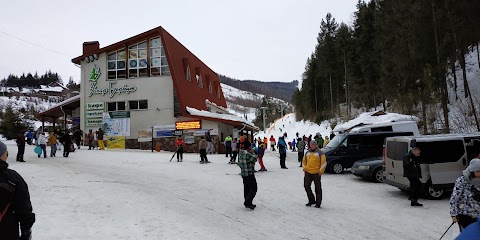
[
  {"x": 116, "y": 106},
  {"x": 188, "y": 74},
  {"x": 158, "y": 58},
  {"x": 200, "y": 81},
  {"x": 116, "y": 65},
  {"x": 210, "y": 88},
  {"x": 218, "y": 92},
  {"x": 138, "y": 105},
  {"x": 137, "y": 60}
]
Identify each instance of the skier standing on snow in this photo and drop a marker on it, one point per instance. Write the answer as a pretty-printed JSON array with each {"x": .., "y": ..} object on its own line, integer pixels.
[
  {"x": 20, "y": 146},
  {"x": 261, "y": 153},
  {"x": 202, "y": 147},
  {"x": 282, "y": 148},
  {"x": 319, "y": 139},
  {"x": 301, "y": 150},
  {"x": 272, "y": 143},
  {"x": 246, "y": 162},
  {"x": 294, "y": 144},
  {"x": 180, "y": 144},
  {"x": 314, "y": 164},
  {"x": 234, "y": 150},
  {"x": 228, "y": 146},
  {"x": 265, "y": 142},
  {"x": 412, "y": 171},
  {"x": 465, "y": 199},
  {"x": 208, "y": 137},
  {"x": 15, "y": 206}
]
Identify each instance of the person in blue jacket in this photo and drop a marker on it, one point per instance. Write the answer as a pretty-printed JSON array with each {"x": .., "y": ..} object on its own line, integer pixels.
[
  {"x": 29, "y": 136},
  {"x": 282, "y": 148},
  {"x": 472, "y": 232}
]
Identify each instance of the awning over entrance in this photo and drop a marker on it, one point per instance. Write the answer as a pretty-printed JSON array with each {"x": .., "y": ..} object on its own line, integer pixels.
[
  {"x": 61, "y": 109},
  {"x": 232, "y": 120}
]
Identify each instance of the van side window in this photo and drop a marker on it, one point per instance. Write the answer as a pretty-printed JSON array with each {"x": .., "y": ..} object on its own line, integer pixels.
[
  {"x": 382, "y": 129},
  {"x": 396, "y": 150},
  {"x": 442, "y": 152}
]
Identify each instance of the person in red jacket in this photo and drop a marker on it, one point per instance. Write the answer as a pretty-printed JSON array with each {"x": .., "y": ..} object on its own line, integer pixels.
[
  {"x": 272, "y": 143},
  {"x": 180, "y": 144}
]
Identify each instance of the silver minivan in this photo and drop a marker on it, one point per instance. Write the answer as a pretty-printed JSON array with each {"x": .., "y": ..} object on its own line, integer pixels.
[{"x": 443, "y": 158}]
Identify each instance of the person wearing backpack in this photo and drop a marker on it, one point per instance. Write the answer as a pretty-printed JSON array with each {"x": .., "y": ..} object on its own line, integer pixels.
[
  {"x": 301, "y": 150},
  {"x": 16, "y": 213}
]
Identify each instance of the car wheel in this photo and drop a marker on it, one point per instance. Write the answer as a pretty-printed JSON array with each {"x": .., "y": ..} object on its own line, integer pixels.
[
  {"x": 337, "y": 168},
  {"x": 377, "y": 175},
  {"x": 434, "y": 193}
]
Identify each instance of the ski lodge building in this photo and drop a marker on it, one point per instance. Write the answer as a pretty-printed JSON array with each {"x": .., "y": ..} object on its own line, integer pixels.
[{"x": 149, "y": 86}]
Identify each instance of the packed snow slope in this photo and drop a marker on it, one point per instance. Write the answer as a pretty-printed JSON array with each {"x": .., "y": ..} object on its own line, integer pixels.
[
  {"x": 288, "y": 124},
  {"x": 113, "y": 195},
  {"x": 237, "y": 99}
]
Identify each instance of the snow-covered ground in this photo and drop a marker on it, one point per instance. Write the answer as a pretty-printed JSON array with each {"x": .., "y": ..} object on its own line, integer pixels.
[
  {"x": 288, "y": 124},
  {"x": 141, "y": 195}
]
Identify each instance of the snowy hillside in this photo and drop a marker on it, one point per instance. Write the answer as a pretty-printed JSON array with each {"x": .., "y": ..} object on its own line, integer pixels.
[
  {"x": 461, "y": 117},
  {"x": 27, "y": 103},
  {"x": 288, "y": 124},
  {"x": 242, "y": 103}
]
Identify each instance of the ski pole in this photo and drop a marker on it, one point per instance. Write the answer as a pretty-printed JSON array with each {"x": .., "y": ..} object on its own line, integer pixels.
[{"x": 447, "y": 230}]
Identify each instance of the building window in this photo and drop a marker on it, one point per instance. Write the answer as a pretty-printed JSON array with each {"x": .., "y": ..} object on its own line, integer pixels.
[
  {"x": 116, "y": 106},
  {"x": 188, "y": 74},
  {"x": 199, "y": 81},
  {"x": 138, "y": 105},
  {"x": 137, "y": 60},
  {"x": 209, "y": 109},
  {"x": 116, "y": 65},
  {"x": 218, "y": 91},
  {"x": 158, "y": 58},
  {"x": 210, "y": 88}
]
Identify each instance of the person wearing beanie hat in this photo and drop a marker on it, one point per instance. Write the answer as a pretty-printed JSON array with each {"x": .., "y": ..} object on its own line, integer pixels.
[
  {"x": 20, "y": 146},
  {"x": 465, "y": 197},
  {"x": 246, "y": 162},
  {"x": 18, "y": 217},
  {"x": 314, "y": 164},
  {"x": 282, "y": 148}
]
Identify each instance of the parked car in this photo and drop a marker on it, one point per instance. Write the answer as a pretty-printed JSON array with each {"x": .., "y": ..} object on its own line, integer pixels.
[
  {"x": 345, "y": 149},
  {"x": 402, "y": 126},
  {"x": 370, "y": 169},
  {"x": 443, "y": 158}
]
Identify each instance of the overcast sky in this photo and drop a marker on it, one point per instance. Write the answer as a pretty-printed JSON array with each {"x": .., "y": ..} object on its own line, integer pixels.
[{"x": 267, "y": 40}]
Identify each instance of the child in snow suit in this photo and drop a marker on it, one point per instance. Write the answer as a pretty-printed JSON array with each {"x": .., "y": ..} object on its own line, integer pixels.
[{"x": 260, "y": 154}]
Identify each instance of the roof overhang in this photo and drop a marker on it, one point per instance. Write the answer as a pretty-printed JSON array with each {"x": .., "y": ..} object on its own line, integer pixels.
[
  {"x": 236, "y": 124},
  {"x": 58, "y": 110}
]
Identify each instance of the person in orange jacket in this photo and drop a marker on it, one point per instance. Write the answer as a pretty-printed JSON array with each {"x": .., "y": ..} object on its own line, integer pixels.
[
  {"x": 272, "y": 143},
  {"x": 314, "y": 164},
  {"x": 180, "y": 144}
]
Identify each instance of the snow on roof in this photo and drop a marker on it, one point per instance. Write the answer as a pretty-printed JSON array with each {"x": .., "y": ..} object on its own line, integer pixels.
[
  {"x": 65, "y": 102},
  {"x": 215, "y": 105},
  {"x": 52, "y": 89},
  {"x": 201, "y": 113},
  {"x": 370, "y": 118}
]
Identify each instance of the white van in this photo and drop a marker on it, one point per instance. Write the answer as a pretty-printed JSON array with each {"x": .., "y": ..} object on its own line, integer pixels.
[
  {"x": 443, "y": 157},
  {"x": 402, "y": 126}
]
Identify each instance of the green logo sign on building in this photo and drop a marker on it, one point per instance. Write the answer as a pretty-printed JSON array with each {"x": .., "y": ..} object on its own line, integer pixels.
[{"x": 95, "y": 74}]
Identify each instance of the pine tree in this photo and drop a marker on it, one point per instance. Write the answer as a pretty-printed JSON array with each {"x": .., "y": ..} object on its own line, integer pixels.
[{"x": 11, "y": 124}]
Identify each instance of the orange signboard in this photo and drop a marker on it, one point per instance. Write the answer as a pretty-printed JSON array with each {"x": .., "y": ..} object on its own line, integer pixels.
[{"x": 188, "y": 125}]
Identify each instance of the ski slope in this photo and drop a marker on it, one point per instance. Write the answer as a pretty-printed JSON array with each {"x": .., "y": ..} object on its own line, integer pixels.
[
  {"x": 289, "y": 124},
  {"x": 114, "y": 195}
]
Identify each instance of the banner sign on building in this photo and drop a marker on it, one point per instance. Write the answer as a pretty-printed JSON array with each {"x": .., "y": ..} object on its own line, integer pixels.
[
  {"x": 189, "y": 139},
  {"x": 94, "y": 114},
  {"x": 115, "y": 142},
  {"x": 200, "y": 132},
  {"x": 163, "y": 133},
  {"x": 94, "y": 122},
  {"x": 76, "y": 121},
  {"x": 145, "y": 135},
  {"x": 95, "y": 106},
  {"x": 188, "y": 125},
  {"x": 165, "y": 127},
  {"x": 178, "y": 133},
  {"x": 114, "y": 126}
]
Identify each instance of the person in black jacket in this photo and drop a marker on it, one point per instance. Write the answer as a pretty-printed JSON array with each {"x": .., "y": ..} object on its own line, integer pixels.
[
  {"x": 412, "y": 171},
  {"x": 66, "y": 141},
  {"x": 15, "y": 202},
  {"x": 21, "y": 146}
]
